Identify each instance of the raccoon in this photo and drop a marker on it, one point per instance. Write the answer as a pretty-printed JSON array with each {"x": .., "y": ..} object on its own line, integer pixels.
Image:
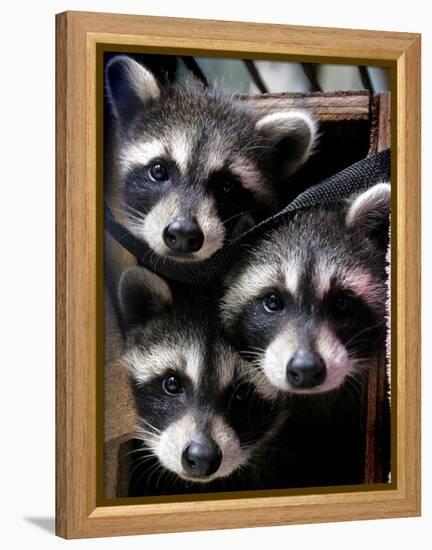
[
  {"x": 194, "y": 168},
  {"x": 203, "y": 425},
  {"x": 307, "y": 306}
]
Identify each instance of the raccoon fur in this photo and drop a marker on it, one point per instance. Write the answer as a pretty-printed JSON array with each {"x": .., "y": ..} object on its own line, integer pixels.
[
  {"x": 307, "y": 306},
  {"x": 189, "y": 169},
  {"x": 203, "y": 425}
]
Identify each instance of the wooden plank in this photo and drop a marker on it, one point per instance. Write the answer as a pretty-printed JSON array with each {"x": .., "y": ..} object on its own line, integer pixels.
[
  {"x": 62, "y": 511},
  {"x": 255, "y": 38},
  {"x": 409, "y": 275},
  {"x": 325, "y": 105},
  {"x": 76, "y": 283},
  {"x": 376, "y": 385},
  {"x": 381, "y": 123}
]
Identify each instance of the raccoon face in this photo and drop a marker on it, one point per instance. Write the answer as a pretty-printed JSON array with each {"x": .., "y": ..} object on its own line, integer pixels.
[
  {"x": 308, "y": 309},
  {"x": 197, "y": 168},
  {"x": 200, "y": 413}
]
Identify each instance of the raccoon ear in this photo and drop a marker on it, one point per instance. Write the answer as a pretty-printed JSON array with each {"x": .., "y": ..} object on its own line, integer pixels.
[
  {"x": 142, "y": 294},
  {"x": 370, "y": 211},
  {"x": 293, "y": 134},
  {"x": 130, "y": 86}
]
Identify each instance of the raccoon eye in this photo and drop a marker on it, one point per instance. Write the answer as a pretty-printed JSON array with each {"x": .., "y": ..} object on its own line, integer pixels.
[
  {"x": 273, "y": 302},
  {"x": 229, "y": 186},
  {"x": 240, "y": 393},
  {"x": 158, "y": 172},
  {"x": 343, "y": 303},
  {"x": 172, "y": 385}
]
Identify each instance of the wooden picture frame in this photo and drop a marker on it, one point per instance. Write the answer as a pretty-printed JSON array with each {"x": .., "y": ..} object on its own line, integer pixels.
[{"x": 80, "y": 512}]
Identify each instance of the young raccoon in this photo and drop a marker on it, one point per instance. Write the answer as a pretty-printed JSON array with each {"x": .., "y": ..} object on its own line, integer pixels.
[
  {"x": 308, "y": 305},
  {"x": 203, "y": 425},
  {"x": 194, "y": 167}
]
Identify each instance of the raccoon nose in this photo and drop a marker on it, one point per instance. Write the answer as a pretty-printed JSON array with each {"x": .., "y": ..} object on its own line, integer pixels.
[
  {"x": 306, "y": 369},
  {"x": 201, "y": 457},
  {"x": 183, "y": 235}
]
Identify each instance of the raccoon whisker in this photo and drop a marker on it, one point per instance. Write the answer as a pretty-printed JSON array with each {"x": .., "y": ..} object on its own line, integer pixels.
[
  {"x": 147, "y": 438},
  {"x": 352, "y": 383},
  {"x": 256, "y": 463},
  {"x": 363, "y": 361},
  {"x": 135, "y": 221},
  {"x": 359, "y": 360},
  {"x": 146, "y": 447},
  {"x": 140, "y": 450},
  {"x": 246, "y": 352},
  {"x": 132, "y": 210},
  {"x": 356, "y": 374},
  {"x": 256, "y": 348},
  {"x": 138, "y": 481},
  {"x": 146, "y": 255},
  {"x": 164, "y": 259},
  {"x": 150, "y": 425},
  {"x": 224, "y": 222},
  {"x": 252, "y": 427},
  {"x": 135, "y": 224},
  {"x": 252, "y": 357},
  {"x": 134, "y": 227},
  {"x": 146, "y": 454},
  {"x": 250, "y": 352},
  {"x": 162, "y": 473},
  {"x": 245, "y": 376},
  {"x": 142, "y": 429},
  {"x": 255, "y": 362},
  {"x": 244, "y": 474},
  {"x": 249, "y": 437},
  {"x": 144, "y": 434},
  {"x": 158, "y": 466},
  {"x": 144, "y": 473},
  {"x": 172, "y": 478},
  {"x": 259, "y": 368},
  {"x": 154, "y": 259},
  {"x": 353, "y": 380},
  {"x": 135, "y": 218},
  {"x": 141, "y": 462},
  {"x": 372, "y": 327},
  {"x": 116, "y": 210},
  {"x": 238, "y": 477},
  {"x": 257, "y": 376},
  {"x": 253, "y": 469},
  {"x": 157, "y": 259}
]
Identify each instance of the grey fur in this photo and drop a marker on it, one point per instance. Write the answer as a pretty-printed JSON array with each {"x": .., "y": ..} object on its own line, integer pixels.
[
  {"x": 317, "y": 256},
  {"x": 173, "y": 332},
  {"x": 203, "y": 138}
]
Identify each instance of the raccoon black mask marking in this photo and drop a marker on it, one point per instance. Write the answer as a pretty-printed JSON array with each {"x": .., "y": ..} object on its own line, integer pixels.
[
  {"x": 307, "y": 306},
  {"x": 197, "y": 167},
  {"x": 201, "y": 416}
]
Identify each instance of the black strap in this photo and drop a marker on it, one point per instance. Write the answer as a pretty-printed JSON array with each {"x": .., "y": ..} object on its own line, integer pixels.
[
  {"x": 361, "y": 175},
  {"x": 122, "y": 235}
]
